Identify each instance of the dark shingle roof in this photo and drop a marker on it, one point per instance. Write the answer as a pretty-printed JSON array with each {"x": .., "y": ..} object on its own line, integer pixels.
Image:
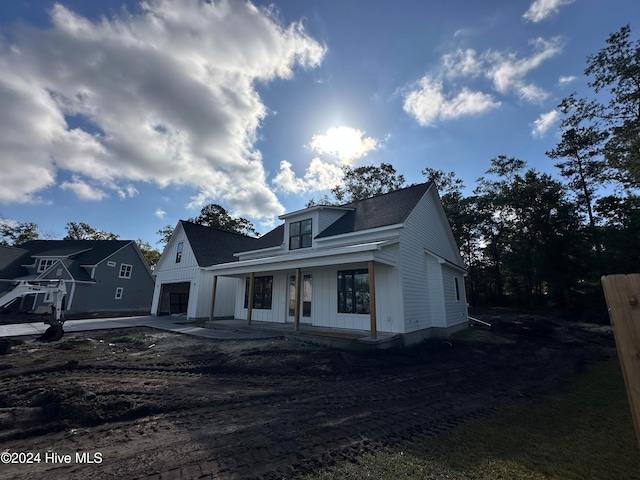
[
  {"x": 274, "y": 238},
  {"x": 76, "y": 271},
  {"x": 87, "y": 252},
  {"x": 379, "y": 211},
  {"x": 11, "y": 261},
  {"x": 212, "y": 246}
]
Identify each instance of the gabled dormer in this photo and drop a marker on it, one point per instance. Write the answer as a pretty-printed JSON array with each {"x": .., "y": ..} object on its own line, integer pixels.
[{"x": 302, "y": 226}]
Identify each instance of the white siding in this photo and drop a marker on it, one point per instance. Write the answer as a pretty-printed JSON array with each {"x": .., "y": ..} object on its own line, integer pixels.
[
  {"x": 226, "y": 297},
  {"x": 324, "y": 300},
  {"x": 187, "y": 270},
  {"x": 456, "y": 309},
  {"x": 278, "y": 310},
  {"x": 423, "y": 285},
  {"x": 168, "y": 260}
]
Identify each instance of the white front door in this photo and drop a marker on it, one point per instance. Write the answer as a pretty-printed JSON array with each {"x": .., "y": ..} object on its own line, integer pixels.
[{"x": 305, "y": 301}]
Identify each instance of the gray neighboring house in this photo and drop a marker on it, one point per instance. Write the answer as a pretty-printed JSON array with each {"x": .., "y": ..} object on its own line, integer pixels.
[{"x": 100, "y": 275}]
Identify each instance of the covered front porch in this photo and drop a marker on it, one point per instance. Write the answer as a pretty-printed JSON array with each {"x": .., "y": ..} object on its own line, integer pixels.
[{"x": 332, "y": 293}]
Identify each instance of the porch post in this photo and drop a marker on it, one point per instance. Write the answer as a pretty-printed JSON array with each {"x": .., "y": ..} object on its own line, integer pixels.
[
  {"x": 372, "y": 300},
  {"x": 296, "y": 317},
  {"x": 250, "y": 299},
  {"x": 213, "y": 296}
]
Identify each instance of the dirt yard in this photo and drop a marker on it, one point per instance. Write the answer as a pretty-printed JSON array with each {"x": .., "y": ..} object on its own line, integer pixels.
[{"x": 148, "y": 404}]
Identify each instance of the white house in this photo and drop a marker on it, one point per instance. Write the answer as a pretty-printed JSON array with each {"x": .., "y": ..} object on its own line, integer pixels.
[
  {"x": 385, "y": 264},
  {"x": 183, "y": 286}
]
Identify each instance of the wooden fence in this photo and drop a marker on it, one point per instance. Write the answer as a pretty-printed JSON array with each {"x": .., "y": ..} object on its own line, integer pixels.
[{"x": 623, "y": 301}]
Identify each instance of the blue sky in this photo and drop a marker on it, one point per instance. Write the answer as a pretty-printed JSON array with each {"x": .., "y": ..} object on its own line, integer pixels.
[{"x": 131, "y": 115}]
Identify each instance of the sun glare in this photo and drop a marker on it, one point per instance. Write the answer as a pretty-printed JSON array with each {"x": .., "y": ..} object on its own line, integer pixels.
[{"x": 346, "y": 143}]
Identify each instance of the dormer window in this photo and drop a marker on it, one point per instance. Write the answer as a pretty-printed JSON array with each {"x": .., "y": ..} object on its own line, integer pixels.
[
  {"x": 300, "y": 234},
  {"x": 44, "y": 264}
]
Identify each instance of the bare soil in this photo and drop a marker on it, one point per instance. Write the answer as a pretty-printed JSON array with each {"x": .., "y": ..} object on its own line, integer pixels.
[{"x": 140, "y": 403}]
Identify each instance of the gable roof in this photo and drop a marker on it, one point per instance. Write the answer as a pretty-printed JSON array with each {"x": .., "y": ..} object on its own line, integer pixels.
[
  {"x": 380, "y": 211},
  {"x": 212, "y": 246},
  {"x": 87, "y": 252}
]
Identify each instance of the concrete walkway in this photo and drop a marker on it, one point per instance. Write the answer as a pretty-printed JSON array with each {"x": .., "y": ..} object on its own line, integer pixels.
[
  {"x": 219, "y": 330},
  {"x": 171, "y": 324}
]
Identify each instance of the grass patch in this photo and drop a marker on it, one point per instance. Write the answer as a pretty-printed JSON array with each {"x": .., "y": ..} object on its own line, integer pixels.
[{"x": 581, "y": 431}]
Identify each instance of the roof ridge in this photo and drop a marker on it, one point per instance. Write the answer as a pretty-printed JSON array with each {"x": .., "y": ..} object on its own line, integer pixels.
[
  {"x": 215, "y": 228},
  {"x": 415, "y": 185}
]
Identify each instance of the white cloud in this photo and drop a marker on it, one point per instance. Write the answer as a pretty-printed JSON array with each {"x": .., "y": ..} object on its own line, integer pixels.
[
  {"x": 318, "y": 176},
  {"x": 159, "y": 213},
  {"x": 462, "y": 63},
  {"x": 435, "y": 97},
  {"x": 343, "y": 142},
  {"x": 83, "y": 190},
  {"x": 164, "y": 96},
  {"x": 566, "y": 80},
  {"x": 428, "y": 103},
  {"x": 508, "y": 72},
  {"x": 541, "y": 9},
  {"x": 544, "y": 122}
]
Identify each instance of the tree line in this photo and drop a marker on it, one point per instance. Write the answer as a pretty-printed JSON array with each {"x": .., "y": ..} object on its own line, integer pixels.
[{"x": 528, "y": 239}]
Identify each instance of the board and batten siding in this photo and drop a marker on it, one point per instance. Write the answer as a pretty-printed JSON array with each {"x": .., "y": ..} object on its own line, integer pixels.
[
  {"x": 187, "y": 270},
  {"x": 168, "y": 260},
  {"x": 324, "y": 301},
  {"x": 279, "y": 308}
]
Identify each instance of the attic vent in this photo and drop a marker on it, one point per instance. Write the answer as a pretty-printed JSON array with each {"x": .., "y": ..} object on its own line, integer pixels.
[{"x": 111, "y": 264}]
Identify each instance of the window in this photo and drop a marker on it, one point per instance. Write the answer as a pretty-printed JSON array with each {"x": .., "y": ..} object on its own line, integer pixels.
[
  {"x": 111, "y": 264},
  {"x": 125, "y": 271},
  {"x": 300, "y": 234},
  {"x": 262, "y": 291},
  {"x": 179, "y": 252},
  {"x": 119, "y": 291},
  {"x": 44, "y": 264},
  {"x": 457, "y": 288},
  {"x": 353, "y": 291}
]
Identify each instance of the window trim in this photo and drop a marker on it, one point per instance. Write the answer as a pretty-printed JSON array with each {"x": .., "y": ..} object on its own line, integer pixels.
[
  {"x": 44, "y": 264},
  {"x": 119, "y": 293},
  {"x": 124, "y": 271},
  {"x": 348, "y": 290},
  {"x": 303, "y": 239},
  {"x": 457, "y": 286},
  {"x": 262, "y": 293}
]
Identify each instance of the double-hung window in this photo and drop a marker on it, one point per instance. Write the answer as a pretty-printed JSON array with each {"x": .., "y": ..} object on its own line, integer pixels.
[{"x": 300, "y": 234}]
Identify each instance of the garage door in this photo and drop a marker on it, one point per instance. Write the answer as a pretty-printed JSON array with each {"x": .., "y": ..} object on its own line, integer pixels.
[{"x": 174, "y": 298}]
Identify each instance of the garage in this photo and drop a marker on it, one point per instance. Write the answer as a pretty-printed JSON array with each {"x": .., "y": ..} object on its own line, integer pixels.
[{"x": 174, "y": 298}]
